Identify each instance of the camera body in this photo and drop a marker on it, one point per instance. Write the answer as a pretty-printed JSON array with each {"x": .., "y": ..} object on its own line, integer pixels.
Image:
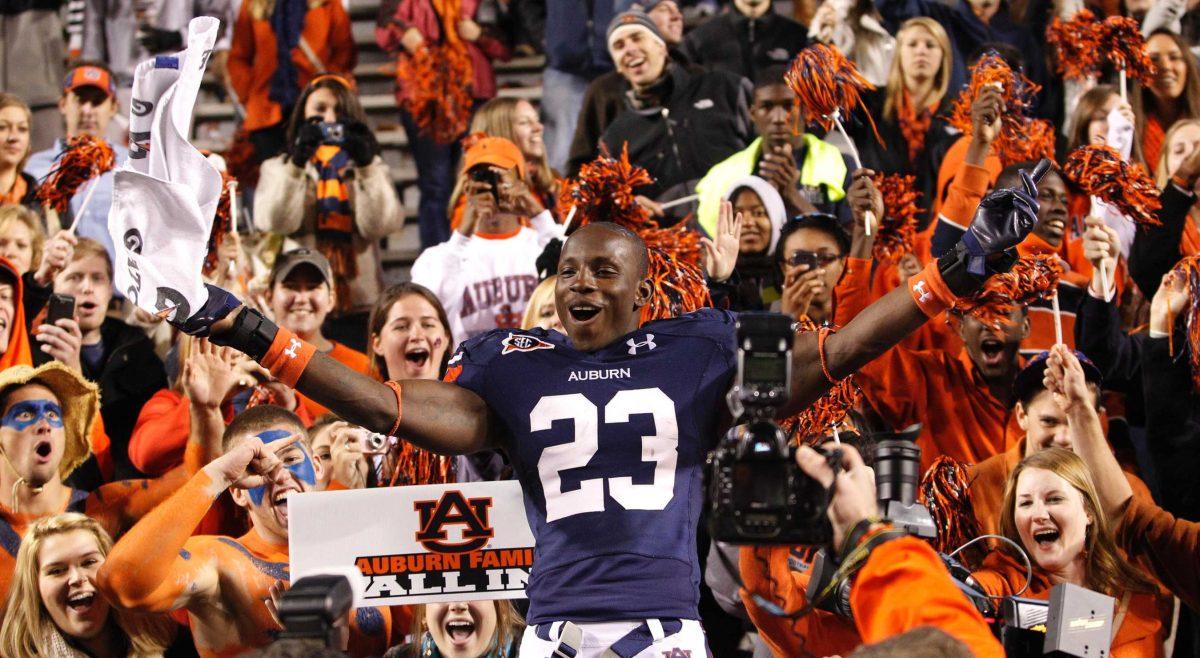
[
  {"x": 332, "y": 133},
  {"x": 758, "y": 493},
  {"x": 316, "y": 608}
]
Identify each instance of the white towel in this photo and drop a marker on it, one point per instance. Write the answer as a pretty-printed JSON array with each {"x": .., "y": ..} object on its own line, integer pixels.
[{"x": 165, "y": 196}]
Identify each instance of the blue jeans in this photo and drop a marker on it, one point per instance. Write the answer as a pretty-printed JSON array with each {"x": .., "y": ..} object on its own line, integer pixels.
[
  {"x": 562, "y": 100},
  {"x": 435, "y": 181}
]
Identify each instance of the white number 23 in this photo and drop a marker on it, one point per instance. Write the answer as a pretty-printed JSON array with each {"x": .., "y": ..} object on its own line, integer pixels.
[{"x": 660, "y": 448}]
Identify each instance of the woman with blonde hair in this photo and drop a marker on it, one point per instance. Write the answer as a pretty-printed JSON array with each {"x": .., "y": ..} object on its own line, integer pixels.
[
  {"x": 54, "y": 608},
  {"x": 21, "y": 237},
  {"x": 465, "y": 629},
  {"x": 516, "y": 120},
  {"x": 1172, "y": 95},
  {"x": 16, "y": 121},
  {"x": 908, "y": 110},
  {"x": 541, "y": 312},
  {"x": 1051, "y": 509}
]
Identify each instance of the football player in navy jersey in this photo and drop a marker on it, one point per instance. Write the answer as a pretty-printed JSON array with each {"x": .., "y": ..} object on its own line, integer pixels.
[{"x": 608, "y": 426}]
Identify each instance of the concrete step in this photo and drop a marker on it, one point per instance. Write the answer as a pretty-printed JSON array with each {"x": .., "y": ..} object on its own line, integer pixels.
[{"x": 213, "y": 110}]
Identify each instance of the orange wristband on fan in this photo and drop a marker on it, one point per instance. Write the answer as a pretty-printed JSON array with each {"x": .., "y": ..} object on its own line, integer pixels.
[
  {"x": 395, "y": 386},
  {"x": 287, "y": 357},
  {"x": 930, "y": 291}
]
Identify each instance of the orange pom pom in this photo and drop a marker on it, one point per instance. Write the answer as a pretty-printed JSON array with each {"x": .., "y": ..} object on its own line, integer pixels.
[
  {"x": 1031, "y": 279},
  {"x": 1189, "y": 268},
  {"x": 85, "y": 158},
  {"x": 438, "y": 81},
  {"x": 830, "y": 410},
  {"x": 1121, "y": 42},
  {"x": 828, "y": 85},
  {"x": 1076, "y": 45},
  {"x": 1020, "y": 136},
  {"x": 944, "y": 490},
  {"x": 222, "y": 225},
  {"x": 896, "y": 234},
  {"x": 1099, "y": 171}
]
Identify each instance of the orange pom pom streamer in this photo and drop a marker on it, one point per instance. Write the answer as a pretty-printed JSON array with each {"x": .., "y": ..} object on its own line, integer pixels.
[
  {"x": 437, "y": 79},
  {"x": 416, "y": 466},
  {"x": 1099, "y": 171},
  {"x": 604, "y": 192},
  {"x": 1121, "y": 42},
  {"x": 1031, "y": 279},
  {"x": 896, "y": 235},
  {"x": 1018, "y": 92},
  {"x": 944, "y": 490},
  {"x": 1076, "y": 45},
  {"x": 222, "y": 225},
  {"x": 815, "y": 423},
  {"x": 828, "y": 86},
  {"x": 85, "y": 158}
]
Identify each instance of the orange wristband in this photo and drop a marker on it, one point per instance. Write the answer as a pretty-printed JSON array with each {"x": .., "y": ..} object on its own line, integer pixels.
[
  {"x": 930, "y": 292},
  {"x": 287, "y": 357},
  {"x": 395, "y": 386}
]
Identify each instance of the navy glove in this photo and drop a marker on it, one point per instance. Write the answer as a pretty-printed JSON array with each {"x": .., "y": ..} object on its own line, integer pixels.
[
  {"x": 308, "y": 138},
  {"x": 219, "y": 304},
  {"x": 1002, "y": 221},
  {"x": 360, "y": 144}
]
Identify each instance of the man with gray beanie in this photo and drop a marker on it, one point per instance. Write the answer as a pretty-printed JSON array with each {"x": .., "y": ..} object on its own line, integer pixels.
[{"x": 677, "y": 123}]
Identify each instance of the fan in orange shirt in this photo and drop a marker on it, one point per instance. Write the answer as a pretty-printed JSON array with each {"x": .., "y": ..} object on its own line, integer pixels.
[
  {"x": 301, "y": 296},
  {"x": 224, "y": 582}
]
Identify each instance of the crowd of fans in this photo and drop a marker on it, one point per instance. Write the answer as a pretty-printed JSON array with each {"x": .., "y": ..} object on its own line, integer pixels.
[{"x": 133, "y": 457}]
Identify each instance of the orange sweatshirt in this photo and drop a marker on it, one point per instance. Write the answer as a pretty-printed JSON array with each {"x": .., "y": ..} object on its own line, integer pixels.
[
  {"x": 352, "y": 359},
  {"x": 1169, "y": 545},
  {"x": 222, "y": 582},
  {"x": 904, "y": 585},
  {"x": 1140, "y": 634},
  {"x": 253, "y": 59}
]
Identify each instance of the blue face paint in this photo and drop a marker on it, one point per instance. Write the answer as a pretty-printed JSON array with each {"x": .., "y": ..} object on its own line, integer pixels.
[
  {"x": 27, "y": 413},
  {"x": 303, "y": 470}
]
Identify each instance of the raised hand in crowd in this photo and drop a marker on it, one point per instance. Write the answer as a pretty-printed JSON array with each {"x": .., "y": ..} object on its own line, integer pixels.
[
  {"x": 360, "y": 143},
  {"x": 56, "y": 255},
  {"x": 209, "y": 375},
  {"x": 516, "y": 195},
  {"x": 864, "y": 197},
  {"x": 1188, "y": 172},
  {"x": 63, "y": 341},
  {"x": 250, "y": 464},
  {"x": 1168, "y": 303},
  {"x": 1101, "y": 246},
  {"x": 469, "y": 30},
  {"x": 653, "y": 207},
  {"x": 854, "y": 494},
  {"x": 347, "y": 455},
  {"x": 720, "y": 256},
  {"x": 308, "y": 138},
  {"x": 801, "y": 284},
  {"x": 482, "y": 203},
  {"x": 986, "y": 114}
]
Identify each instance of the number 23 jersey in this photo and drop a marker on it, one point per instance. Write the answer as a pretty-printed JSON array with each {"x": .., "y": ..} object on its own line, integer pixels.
[{"x": 609, "y": 447}]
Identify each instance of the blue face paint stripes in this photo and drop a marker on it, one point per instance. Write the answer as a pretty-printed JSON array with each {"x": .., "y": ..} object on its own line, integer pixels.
[
  {"x": 303, "y": 470},
  {"x": 27, "y": 413}
]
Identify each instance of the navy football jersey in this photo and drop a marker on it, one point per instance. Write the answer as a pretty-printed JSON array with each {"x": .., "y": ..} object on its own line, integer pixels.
[{"x": 609, "y": 447}]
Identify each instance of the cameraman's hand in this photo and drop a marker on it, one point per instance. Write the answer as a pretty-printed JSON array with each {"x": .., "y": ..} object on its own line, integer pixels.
[
  {"x": 308, "y": 138},
  {"x": 854, "y": 493},
  {"x": 360, "y": 143}
]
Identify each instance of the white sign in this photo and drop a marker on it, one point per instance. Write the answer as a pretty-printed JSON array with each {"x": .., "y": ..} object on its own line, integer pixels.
[{"x": 417, "y": 544}]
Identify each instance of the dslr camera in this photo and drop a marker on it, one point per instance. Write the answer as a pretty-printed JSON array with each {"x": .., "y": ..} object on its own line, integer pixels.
[
  {"x": 758, "y": 493},
  {"x": 316, "y": 608},
  {"x": 332, "y": 133}
]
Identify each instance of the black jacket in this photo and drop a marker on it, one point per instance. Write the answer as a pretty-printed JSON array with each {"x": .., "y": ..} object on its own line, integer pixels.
[
  {"x": 735, "y": 43},
  {"x": 695, "y": 121},
  {"x": 1155, "y": 249},
  {"x": 129, "y": 375}
]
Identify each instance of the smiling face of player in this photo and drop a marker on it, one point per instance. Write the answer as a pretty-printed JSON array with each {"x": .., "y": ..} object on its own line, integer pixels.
[{"x": 601, "y": 286}]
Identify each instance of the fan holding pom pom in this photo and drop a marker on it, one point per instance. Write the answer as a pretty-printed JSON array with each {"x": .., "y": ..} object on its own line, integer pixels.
[{"x": 85, "y": 158}]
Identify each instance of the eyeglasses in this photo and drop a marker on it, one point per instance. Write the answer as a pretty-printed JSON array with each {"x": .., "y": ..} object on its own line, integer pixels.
[{"x": 811, "y": 259}]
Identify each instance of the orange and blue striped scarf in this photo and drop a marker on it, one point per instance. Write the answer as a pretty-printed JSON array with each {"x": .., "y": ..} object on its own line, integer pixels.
[{"x": 335, "y": 221}]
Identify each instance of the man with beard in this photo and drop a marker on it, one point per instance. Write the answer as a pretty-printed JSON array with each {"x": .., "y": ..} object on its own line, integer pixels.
[
  {"x": 225, "y": 583},
  {"x": 651, "y": 396}
]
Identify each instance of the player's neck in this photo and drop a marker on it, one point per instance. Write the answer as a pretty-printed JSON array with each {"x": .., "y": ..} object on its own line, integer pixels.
[{"x": 46, "y": 500}]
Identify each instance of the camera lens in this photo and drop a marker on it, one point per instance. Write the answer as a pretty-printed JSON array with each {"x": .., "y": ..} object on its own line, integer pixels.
[{"x": 897, "y": 470}]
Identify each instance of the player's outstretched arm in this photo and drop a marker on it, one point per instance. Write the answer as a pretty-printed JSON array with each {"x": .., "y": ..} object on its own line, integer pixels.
[
  {"x": 1002, "y": 221},
  {"x": 436, "y": 416}
]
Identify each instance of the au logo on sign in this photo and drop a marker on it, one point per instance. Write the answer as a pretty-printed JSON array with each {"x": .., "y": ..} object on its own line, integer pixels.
[{"x": 454, "y": 509}]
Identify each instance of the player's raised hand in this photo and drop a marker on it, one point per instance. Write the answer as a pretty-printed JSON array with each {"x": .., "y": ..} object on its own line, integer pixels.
[{"x": 720, "y": 255}]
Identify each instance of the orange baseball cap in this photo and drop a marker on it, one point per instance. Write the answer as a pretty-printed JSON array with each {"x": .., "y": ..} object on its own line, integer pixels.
[
  {"x": 495, "y": 151},
  {"x": 89, "y": 76}
]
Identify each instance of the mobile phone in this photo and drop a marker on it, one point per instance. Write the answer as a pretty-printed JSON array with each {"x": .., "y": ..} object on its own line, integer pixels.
[
  {"x": 485, "y": 174},
  {"x": 61, "y": 307}
]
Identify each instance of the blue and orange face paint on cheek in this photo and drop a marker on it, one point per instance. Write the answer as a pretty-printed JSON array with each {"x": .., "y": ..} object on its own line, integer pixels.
[
  {"x": 26, "y": 413},
  {"x": 303, "y": 470}
]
